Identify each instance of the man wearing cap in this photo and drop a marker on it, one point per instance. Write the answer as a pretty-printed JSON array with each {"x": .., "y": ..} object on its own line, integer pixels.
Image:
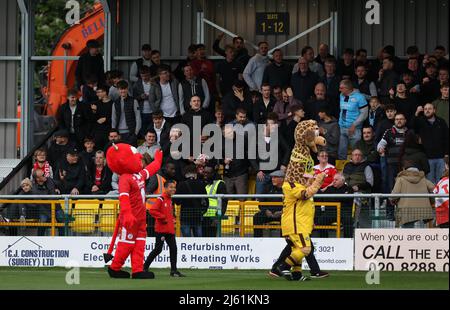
[
  {"x": 270, "y": 213},
  {"x": 90, "y": 64},
  {"x": 70, "y": 174},
  {"x": 59, "y": 147}
]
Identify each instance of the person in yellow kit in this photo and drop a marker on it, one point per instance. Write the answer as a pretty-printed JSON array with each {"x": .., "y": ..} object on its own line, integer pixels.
[{"x": 300, "y": 185}]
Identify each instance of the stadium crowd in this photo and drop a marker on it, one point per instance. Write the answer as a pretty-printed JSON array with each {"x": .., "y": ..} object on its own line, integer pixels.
[{"x": 388, "y": 116}]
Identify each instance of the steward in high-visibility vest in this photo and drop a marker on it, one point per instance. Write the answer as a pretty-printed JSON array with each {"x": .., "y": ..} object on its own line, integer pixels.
[
  {"x": 212, "y": 186},
  {"x": 158, "y": 191}
]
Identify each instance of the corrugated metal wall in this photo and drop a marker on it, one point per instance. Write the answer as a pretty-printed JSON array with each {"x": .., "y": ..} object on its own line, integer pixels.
[
  {"x": 403, "y": 23},
  {"x": 9, "y": 34}
]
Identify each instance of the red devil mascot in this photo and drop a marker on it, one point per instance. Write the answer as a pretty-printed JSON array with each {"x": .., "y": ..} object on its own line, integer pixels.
[{"x": 125, "y": 160}]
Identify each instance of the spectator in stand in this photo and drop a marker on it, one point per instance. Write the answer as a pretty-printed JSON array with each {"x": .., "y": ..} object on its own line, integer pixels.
[
  {"x": 412, "y": 85},
  {"x": 87, "y": 156},
  {"x": 101, "y": 113},
  {"x": 21, "y": 211},
  {"x": 175, "y": 155},
  {"x": 367, "y": 146},
  {"x": 346, "y": 66},
  {"x": 441, "y": 204},
  {"x": 362, "y": 82},
  {"x": 303, "y": 81},
  {"x": 192, "y": 209},
  {"x": 161, "y": 128},
  {"x": 193, "y": 86},
  {"x": 264, "y": 105},
  {"x": 236, "y": 169},
  {"x": 411, "y": 210},
  {"x": 277, "y": 92},
  {"x": 46, "y": 186},
  {"x": 40, "y": 162},
  {"x": 150, "y": 145},
  {"x": 389, "y": 52},
  {"x": 196, "y": 116},
  {"x": 126, "y": 116},
  {"x": 414, "y": 68},
  {"x": 88, "y": 95},
  {"x": 376, "y": 114},
  {"x": 433, "y": 132},
  {"x": 278, "y": 73},
  {"x": 59, "y": 147},
  {"x": 387, "y": 80},
  {"x": 325, "y": 167},
  {"x": 404, "y": 104},
  {"x": 430, "y": 86},
  {"x": 339, "y": 186},
  {"x": 73, "y": 118},
  {"x": 439, "y": 53},
  {"x": 283, "y": 107},
  {"x": 324, "y": 54},
  {"x": 361, "y": 59},
  {"x": 90, "y": 64},
  {"x": 219, "y": 118},
  {"x": 238, "y": 98},
  {"x": 100, "y": 176},
  {"x": 359, "y": 176},
  {"x": 144, "y": 60},
  {"x": 241, "y": 52},
  {"x": 354, "y": 110},
  {"x": 412, "y": 150},
  {"x": 141, "y": 92},
  {"x": 271, "y": 134},
  {"x": 443, "y": 75},
  {"x": 413, "y": 52},
  {"x": 164, "y": 96},
  {"x": 116, "y": 77},
  {"x": 155, "y": 57},
  {"x": 308, "y": 55},
  {"x": 331, "y": 81},
  {"x": 254, "y": 71},
  {"x": 441, "y": 105},
  {"x": 269, "y": 214},
  {"x": 329, "y": 129},
  {"x": 228, "y": 71},
  {"x": 71, "y": 175},
  {"x": 178, "y": 72},
  {"x": 204, "y": 68},
  {"x": 298, "y": 114},
  {"x": 113, "y": 137},
  {"x": 319, "y": 101},
  {"x": 385, "y": 123},
  {"x": 390, "y": 147}
]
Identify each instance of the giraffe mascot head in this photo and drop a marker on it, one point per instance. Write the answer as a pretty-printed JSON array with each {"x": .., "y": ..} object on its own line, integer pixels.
[{"x": 300, "y": 168}]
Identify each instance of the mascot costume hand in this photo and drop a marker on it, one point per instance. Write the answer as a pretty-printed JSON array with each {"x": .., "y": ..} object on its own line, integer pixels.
[{"x": 125, "y": 160}]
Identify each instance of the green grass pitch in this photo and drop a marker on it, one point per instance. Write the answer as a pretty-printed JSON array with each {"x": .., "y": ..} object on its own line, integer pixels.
[{"x": 97, "y": 279}]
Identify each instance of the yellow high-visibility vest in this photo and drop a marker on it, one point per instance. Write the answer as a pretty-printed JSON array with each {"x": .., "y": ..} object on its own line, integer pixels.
[{"x": 211, "y": 189}]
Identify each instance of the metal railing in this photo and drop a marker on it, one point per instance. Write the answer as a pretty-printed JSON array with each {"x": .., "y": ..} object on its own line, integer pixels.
[{"x": 104, "y": 218}]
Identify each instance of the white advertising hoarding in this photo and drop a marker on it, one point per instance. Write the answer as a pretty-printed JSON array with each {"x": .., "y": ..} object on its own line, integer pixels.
[
  {"x": 202, "y": 253},
  {"x": 402, "y": 249}
]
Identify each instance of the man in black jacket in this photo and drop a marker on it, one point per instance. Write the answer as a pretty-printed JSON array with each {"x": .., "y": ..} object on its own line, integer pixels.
[
  {"x": 192, "y": 209},
  {"x": 70, "y": 176},
  {"x": 90, "y": 64},
  {"x": 278, "y": 73},
  {"x": 241, "y": 57},
  {"x": 59, "y": 147},
  {"x": 433, "y": 132},
  {"x": 73, "y": 118},
  {"x": 387, "y": 80},
  {"x": 263, "y": 105},
  {"x": 237, "y": 98},
  {"x": 303, "y": 81}
]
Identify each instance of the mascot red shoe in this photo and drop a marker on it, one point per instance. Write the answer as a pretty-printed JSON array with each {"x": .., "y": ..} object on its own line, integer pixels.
[{"x": 125, "y": 160}]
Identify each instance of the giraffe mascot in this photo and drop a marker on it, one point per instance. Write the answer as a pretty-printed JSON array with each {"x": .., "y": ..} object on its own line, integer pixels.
[{"x": 299, "y": 187}]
